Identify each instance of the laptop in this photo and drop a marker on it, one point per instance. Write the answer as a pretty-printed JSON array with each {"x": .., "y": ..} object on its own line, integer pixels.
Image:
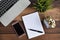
[{"x": 10, "y": 9}]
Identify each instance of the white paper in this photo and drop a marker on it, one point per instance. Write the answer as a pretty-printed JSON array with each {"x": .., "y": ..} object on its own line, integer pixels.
[{"x": 32, "y": 21}]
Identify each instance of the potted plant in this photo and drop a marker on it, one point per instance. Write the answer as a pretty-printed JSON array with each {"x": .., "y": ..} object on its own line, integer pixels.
[{"x": 42, "y": 5}]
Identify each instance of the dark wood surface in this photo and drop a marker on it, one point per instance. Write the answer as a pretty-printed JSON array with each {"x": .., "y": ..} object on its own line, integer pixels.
[
  {"x": 8, "y": 33},
  {"x": 10, "y": 30},
  {"x": 43, "y": 37}
]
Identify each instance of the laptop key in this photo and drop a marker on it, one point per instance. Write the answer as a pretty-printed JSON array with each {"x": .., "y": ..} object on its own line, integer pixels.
[{"x": 5, "y": 5}]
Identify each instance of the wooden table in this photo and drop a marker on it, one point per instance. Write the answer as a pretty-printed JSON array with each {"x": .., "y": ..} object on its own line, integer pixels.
[{"x": 8, "y": 33}]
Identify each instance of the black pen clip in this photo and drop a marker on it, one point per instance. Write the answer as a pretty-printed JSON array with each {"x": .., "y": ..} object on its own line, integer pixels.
[{"x": 36, "y": 30}]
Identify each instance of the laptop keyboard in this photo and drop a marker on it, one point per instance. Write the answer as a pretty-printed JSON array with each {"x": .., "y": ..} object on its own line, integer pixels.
[{"x": 5, "y": 5}]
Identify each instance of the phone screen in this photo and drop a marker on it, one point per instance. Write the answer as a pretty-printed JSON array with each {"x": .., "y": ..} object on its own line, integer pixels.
[{"x": 18, "y": 29}]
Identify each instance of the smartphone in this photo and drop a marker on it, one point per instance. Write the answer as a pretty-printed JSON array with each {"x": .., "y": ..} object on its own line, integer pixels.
[{"x": 18, "y": 29}]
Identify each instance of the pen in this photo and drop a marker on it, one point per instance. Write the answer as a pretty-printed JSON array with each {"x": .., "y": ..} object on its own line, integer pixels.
[{"x": 36, "y": 30}]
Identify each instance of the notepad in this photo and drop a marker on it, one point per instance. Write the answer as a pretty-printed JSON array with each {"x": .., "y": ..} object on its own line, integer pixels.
[{"x": 32, "y": 21}]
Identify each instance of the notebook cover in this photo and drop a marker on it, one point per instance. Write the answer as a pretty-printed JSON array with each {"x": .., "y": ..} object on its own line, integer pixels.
[{"x": 32, "y": 21}]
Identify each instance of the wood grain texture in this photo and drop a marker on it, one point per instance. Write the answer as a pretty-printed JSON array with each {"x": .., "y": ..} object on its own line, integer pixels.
[
  {"x": 9, "y": 29},
  {"x": 43, "y": 37},
  {"x": 8, "y": 33}
]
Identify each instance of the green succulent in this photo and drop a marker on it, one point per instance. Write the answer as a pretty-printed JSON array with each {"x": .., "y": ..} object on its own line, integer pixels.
[{"x": 42, "y": 5}]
